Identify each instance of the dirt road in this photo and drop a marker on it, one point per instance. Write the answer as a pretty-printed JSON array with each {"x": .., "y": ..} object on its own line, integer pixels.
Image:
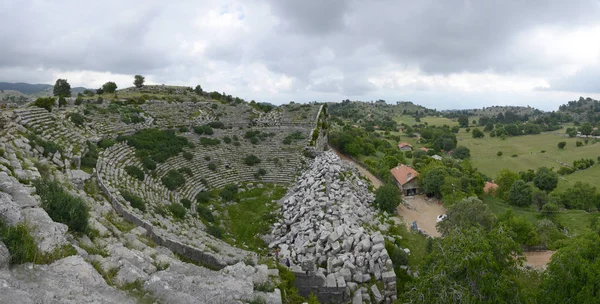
[
  {"x": 539, "y": 259},
  {"x": 376, "y": 182},
  {"x": 423, "y": 211}
]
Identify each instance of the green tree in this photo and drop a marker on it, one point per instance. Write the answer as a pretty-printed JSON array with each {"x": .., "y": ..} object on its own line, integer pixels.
[
  {"x": 62, "y": 88},
  {"x": 505, "y": 180},
  {"x": 463, "y": 121},
  {"x": 539, "y": 198},
  {"x": 573, "y": 273},
  {"x": 520, "y": 194},
  {"x": 545, "y": 179},
  {"x": 45, "y": 103},
  {"x": 476, "y": 133},
  {"x": 469, "y": 212},
  {"x": 433, "y": 180},
  {"x": 586, "y": 128},
  {"x": 387, "y": 198},
  {"x": 462, "y": 152},
  {"x": 470, "y": 266},
  {"x": 109, "y": 87},
  {"x": 198, "y": 90},
  {"x": 562, "y": 145},
  {"x": 138, "y": 81},
  {"x": 524, "y": 232},
  {"x": 579, "y": 196}
]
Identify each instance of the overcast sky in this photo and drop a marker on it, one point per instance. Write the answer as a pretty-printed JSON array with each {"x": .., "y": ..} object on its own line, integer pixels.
[{"x": 441, "y": 54}]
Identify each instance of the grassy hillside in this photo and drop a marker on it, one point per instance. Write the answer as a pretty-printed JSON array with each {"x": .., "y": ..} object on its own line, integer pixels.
[{"x": 528, "y": 149}]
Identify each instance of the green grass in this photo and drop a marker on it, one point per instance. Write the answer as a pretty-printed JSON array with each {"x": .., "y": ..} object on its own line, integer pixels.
[
  {"x": 528, "y": 148},
  {"x": 251, "y": 216},
  {"x": 576, "y": 221}
]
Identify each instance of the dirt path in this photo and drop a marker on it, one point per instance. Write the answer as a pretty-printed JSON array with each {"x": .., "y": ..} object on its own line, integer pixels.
[
  {"x": 376, "y": 182},
  {"x": 538, "y": 259},
  {"x": 423, "y": 211}
]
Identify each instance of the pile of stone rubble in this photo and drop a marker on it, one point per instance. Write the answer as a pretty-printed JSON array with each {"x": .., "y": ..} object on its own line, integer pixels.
[{"x": 324, "y": 230}]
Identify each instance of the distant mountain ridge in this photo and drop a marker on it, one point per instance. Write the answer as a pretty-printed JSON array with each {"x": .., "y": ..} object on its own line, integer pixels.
[{"x": 30, "y": 89}]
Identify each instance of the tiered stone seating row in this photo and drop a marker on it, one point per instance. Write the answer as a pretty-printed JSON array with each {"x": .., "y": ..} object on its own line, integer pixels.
[
  {"x": 52, "y": 126},
  {"x": 169, "y": 115}
]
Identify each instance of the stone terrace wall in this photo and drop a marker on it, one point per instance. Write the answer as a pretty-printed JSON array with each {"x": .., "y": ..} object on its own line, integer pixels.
[{"x": 190, "y": 252}]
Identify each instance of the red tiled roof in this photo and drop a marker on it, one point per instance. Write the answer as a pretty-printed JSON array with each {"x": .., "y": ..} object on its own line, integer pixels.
[
  {"x": 489, "y": 186},
  {"x": 404, "y": 174},
  {"x": 423, "y": 149},
  {"x": 404, "y": 144}
]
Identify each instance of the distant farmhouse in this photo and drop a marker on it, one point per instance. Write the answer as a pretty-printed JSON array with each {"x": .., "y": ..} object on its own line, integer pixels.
[
  {"x": 406, "y": 179},
  {"x": 403, "y": 146}
]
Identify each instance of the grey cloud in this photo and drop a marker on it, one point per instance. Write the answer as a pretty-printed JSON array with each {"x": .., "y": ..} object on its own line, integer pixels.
[
  {"x": 311, "y": 17},
  {"x": 584, "y": 81}
]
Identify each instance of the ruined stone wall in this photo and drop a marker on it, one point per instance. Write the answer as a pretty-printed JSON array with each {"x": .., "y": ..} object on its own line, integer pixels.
[{"x": 189, "y": 252}]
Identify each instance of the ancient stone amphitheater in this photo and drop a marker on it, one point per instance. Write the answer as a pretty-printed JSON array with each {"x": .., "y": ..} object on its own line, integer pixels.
[{"x": 324, "y": 226}]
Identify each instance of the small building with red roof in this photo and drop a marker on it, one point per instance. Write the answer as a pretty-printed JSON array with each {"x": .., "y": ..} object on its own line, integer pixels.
[
  {"x": 406, "y": 179},
  {"x": 404, "y": 146}
]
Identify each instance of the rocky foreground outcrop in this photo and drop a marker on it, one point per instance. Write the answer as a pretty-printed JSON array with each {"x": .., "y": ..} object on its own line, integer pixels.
[
  {"x": 120, "y": 265},
  {"x": 325, "y": 233}
]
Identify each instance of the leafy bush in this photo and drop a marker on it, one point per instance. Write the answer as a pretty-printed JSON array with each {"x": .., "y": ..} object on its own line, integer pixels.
[
  {"x": 203, "y": 197},
  {"x": 583, "y": 163},
  {"x": 186, "y": 203},
  {"x": 156, "y": 144},
  {"x": 188, "y": 155},
  {"x": 49, "y": 147},
  {"x": 499, "y": 153},
  {"x": 565, "y": 171},
  {"x": 215, "y": 231},
  {"x": 227, "y": 139},
  {"x": 185, "y": 170},
  {"x": 77, "y": 119},
  {"x": 178, "y": 210},
  {"x": 105, "y": 143},
  {"x": 228, "y": 193},
  {"x": 562, "y": 145},
  {"x": 148, "y": 163},
  {"x": 183, "y": 129},
  {"x": 216, "y": 125},
  {"x": 90, "y": 158},
  {"x": 205, "y": 129},
  {"x": 205, "y": 141},
  {"x": 45, "y": 103},
  {"x": 251, "y": 160},
  {"x": 205, "y": 213},
  {"x": 135, "y": 172},
  {"x": 61, "y": 206},
  {"x": 134, "y": 200},
  {"x": 173, "y": 179},
  {"x": 212, "y": 166},
  {"x": 579, "y": 144},
  {"x": 293, "y": 137},
  {"x": 21, "y": 245}
]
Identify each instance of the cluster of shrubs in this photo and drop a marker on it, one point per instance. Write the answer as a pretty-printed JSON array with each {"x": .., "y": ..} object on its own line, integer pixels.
[
  {"x": 77, "y": 119},
  {"x": 260, "y": 173},
  {"x": 228, "y": 192},
  {"x": 203, "y": 130},
  {"x": 90, "y": 158},
  {"x": 583, "y": 163},
  {"x": 235, "y": 140},
  {"x": 188, "y": 155},
  {"x": 254, "y": 136},
  {"x": 157, "y": 145},
  {"x": 49, "y": 147},
  {"x": 134, "y": 200},
  {"x": 185, "y": 170},
  {"x": 173, "y": 179},
  {"x": 251, "y": 160},
  {"x": 135, "y": 172},
  {"x": 61, "y": 206},
  {"x": 206, "y": 141},
  {"x": 178, "y": 210},
  {"x": 293, "y": 137}
]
